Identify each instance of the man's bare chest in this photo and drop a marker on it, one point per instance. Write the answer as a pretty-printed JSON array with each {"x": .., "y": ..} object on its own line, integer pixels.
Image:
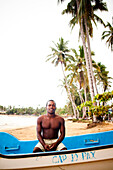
[{"x": 50, "y": 124}]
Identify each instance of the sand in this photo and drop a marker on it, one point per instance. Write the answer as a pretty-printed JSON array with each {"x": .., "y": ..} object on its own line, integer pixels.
[{"x": 72, "y": 128}]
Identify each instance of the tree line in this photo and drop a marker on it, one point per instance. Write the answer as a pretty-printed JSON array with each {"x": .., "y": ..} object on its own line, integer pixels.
[
  {"x": 12, "y": 110},
  {"x": 22, "y": 111}
]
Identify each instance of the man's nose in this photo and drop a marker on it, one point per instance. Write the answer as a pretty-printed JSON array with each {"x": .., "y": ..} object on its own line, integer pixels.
[{"x": 51, "y": 106}]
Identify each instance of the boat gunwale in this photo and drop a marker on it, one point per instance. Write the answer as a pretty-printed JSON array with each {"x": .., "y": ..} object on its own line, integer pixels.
[{"x": 16, "y": 156}]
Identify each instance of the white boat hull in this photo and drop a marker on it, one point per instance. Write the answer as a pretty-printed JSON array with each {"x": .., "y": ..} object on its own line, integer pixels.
[{"x": 83, "y": 159}]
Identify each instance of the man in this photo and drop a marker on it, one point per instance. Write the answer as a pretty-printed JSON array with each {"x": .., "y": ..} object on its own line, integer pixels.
[{"x": 48, "y": 127}]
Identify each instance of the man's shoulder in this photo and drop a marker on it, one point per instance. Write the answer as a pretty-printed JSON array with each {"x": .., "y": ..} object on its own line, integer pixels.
[
  {"x": 60, "y": 118},
  {"x": 41, "y": 117}
]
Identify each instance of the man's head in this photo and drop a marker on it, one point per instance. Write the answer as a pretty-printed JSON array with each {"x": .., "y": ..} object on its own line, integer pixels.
[
  {"x": 51, "y": 106},
  {"x": 50, "y": 101}
]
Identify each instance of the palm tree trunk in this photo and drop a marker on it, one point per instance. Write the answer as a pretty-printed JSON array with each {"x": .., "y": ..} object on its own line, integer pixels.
[
  {"x": 81, "y": 98},
  {"x": 95, "y": 85},
  {"x": 90, "y": 58},
  {"x": 82, "y": 101},
  {"x": 89, "y": 71},
  {"x": 69, "y": 94},
  {"x": 77, "y": 111},
  {"x": 88, "y": 64},
  {"x": 85, "y": 94}
]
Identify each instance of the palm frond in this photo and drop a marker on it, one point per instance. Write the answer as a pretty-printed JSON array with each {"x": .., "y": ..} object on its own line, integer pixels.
[
  {"x": 72, "y": 22},
  {"x": 102, "y": 6},
  {"x": 98, "y": 19},
  {"x": 104, "y": 36}
]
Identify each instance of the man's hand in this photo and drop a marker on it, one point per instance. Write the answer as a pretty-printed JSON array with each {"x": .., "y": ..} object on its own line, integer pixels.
[
  {"x": 46, "y": 147},
  {"x": 53, "y": 147}
]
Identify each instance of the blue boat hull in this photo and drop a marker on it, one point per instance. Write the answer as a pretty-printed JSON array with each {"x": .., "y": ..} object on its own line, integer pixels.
[{"x": 84, "y": 151}]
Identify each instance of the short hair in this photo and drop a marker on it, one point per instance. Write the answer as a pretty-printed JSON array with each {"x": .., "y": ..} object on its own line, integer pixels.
[{"x": 51, "y": 101}]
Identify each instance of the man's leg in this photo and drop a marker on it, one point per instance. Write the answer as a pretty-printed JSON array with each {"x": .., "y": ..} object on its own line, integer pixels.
[
  {"x": 64, "y": 149},
  {"x": 61, "y": 146},
  {"x": 37, "y": 149}
]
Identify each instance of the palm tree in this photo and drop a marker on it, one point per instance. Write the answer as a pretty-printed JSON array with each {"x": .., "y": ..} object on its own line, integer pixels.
[
  {"x": 78, "y": 67},
  {"x": 102, "y": 76},
  {"x": 79, "y": 73},
  {"x": 108, "y": 34},
  {"x": 60, "y": 55},
  {"x": 88, "y": 15},
  {"x": 73, "y": 90},
  {"x": 83, "y": 13}
]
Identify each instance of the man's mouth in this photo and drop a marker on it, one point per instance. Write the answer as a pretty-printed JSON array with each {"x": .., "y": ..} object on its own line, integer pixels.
[{"x": 51, "y": 110}]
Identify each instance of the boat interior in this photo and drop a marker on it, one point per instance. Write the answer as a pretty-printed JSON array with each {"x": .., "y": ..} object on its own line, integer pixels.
[{"x": 11, "y": 145}]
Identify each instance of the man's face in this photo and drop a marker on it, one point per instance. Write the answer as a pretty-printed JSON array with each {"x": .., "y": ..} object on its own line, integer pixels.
[{"x": 51, "y": 107}]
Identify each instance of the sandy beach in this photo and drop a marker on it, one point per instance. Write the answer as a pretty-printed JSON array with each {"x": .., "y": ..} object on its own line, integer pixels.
[{"x": 24, "y": 127}]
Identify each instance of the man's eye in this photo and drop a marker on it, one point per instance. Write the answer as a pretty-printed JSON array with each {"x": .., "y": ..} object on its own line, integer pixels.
[{"x": 51, "y": 105}]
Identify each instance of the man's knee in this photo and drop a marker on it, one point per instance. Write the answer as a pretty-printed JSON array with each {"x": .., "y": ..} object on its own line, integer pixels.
[
  {"x": 36, "y": 149},
  {"x": 64, "y": 148}
]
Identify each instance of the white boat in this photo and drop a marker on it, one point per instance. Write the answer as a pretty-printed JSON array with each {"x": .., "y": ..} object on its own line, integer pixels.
[{"x": 90, "y": 151}]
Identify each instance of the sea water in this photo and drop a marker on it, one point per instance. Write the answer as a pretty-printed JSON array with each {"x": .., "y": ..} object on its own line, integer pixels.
[{"x": 14, "y": 121}]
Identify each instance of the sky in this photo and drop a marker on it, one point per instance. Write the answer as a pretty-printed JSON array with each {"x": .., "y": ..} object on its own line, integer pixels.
[{"x": 27, "y": 30}]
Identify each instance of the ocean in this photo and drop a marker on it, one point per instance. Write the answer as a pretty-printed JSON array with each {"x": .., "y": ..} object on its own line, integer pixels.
[{"x": 14, "y": 121}]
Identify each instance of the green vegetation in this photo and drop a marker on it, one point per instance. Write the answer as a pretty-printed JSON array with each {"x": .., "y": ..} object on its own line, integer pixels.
[
  {"x": 108, "y": 34},
  {"x": 103, "y": 108},
  {"x": 28, "y": 111},
  {"x": 22, "y": 111}
]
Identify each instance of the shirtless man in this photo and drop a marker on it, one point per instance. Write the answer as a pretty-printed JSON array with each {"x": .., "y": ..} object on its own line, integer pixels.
[{"x": 48, "y": 127}]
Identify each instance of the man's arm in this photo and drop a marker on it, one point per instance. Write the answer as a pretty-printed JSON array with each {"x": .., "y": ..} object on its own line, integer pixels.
[
  {"x": 62, "y": 135},
  {"x": 39, "y": 136}
]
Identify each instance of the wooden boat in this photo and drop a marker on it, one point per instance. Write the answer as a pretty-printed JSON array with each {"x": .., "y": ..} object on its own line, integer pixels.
[{"x": 90, "y": 151}]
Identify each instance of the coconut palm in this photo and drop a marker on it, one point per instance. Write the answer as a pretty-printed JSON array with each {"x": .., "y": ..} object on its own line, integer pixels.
[
  {"x": 108, "y": 34},
  {"x": 102, "y": 77},
  {"x": 79, "y": 73},
  {"x": 75, "y": 96},
  {"x": 87, "y": 12},
  {"x": 78, "y": 66},
  {"x": 73, "y": 90},
  {"x": 83, "y": 13},
  {"x": 60, "y": 54}
]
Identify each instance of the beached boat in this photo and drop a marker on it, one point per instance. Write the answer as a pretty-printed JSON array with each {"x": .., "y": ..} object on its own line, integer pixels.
[{"x": 90, "y": 151}]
